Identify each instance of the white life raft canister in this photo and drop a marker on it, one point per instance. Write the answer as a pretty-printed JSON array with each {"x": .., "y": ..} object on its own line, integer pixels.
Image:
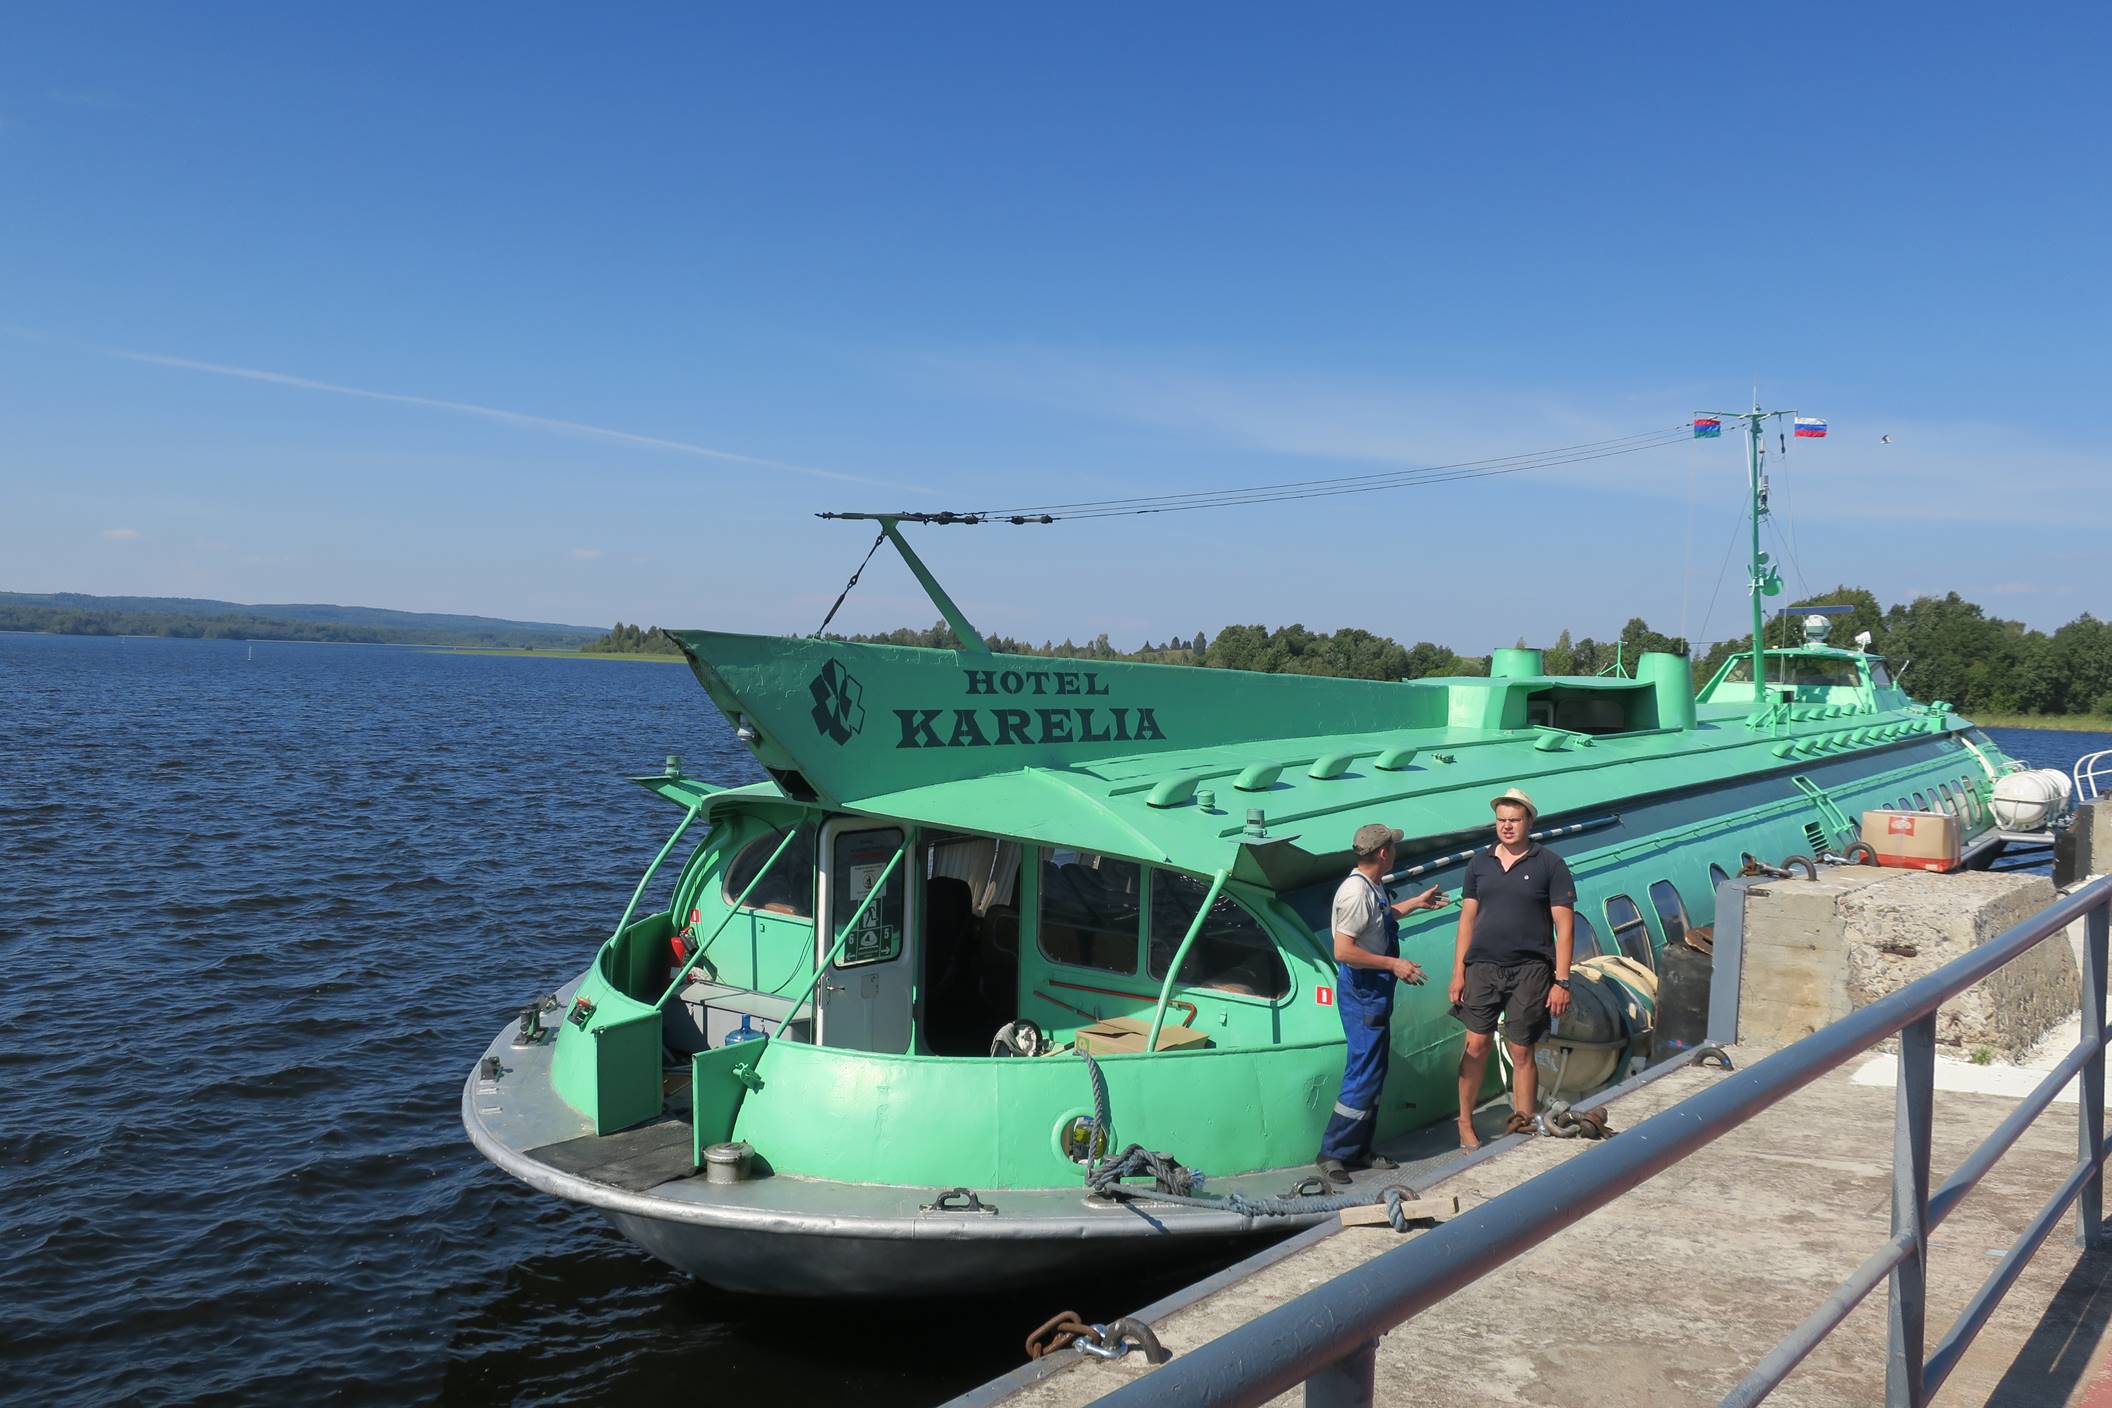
[{"x": 2026, "y": 801}]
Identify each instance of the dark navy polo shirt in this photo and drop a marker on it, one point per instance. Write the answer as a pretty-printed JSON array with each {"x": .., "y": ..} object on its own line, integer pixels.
[{"x": 1515, "y": 923}]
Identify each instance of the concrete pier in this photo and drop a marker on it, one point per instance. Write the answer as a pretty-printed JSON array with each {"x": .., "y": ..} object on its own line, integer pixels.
[{"x": 1671, "y": 1293}]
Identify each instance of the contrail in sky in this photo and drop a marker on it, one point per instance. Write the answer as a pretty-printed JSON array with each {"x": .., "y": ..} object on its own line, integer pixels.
[{"x": 570, "y": 427}]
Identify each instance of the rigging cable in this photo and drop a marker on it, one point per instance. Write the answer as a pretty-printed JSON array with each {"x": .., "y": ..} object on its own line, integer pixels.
[
  {"x": 1377, "y": 478},
  {"x": 878, "y": 539},
  {"x": 1686, "y": 575},
  {"x": 1789, "y": 550},
  {"x": 1728, "y": 548},
  {"x": 1401, "y": 483},
  {"x": 1414, "y": 477}
]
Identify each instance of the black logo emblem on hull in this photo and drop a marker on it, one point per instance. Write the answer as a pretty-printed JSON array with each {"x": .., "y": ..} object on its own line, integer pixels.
[{"x": 839, "y": 711}]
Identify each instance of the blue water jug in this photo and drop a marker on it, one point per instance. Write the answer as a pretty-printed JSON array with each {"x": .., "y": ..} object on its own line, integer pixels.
[{"x": 744, "y": 1032}]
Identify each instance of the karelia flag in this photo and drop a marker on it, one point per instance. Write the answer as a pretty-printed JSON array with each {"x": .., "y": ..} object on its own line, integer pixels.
[
  {"x": 1707, "y": 427},
  {"x": 1811, "y": 426}
]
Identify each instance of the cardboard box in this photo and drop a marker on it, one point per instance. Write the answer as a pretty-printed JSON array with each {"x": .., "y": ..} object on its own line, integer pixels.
[
  {"x": 1119, "y": 1034},
  {"x": 1913, "y": 840}
]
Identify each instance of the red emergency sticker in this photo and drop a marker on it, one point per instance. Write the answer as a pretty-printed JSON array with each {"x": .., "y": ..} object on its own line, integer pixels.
[{"x": 1324, "y": 997}]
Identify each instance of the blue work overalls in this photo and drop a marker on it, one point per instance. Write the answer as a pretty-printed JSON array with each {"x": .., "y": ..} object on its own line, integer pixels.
[{"x": 1365, "y": 996}]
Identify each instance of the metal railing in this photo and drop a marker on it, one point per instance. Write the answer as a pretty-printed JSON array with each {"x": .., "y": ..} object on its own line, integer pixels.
[
  {"x": 2087, "y": 771},
  {"x": 1328, "y": 1338}
]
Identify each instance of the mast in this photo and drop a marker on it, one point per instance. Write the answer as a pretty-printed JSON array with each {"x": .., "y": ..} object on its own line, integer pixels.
[
  {"x": 1762, "y": 578},
  {"x": 1756, "y": 582}
]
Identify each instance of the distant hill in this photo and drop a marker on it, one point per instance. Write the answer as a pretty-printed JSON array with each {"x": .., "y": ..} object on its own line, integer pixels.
[{"x": 76, "y": 613}]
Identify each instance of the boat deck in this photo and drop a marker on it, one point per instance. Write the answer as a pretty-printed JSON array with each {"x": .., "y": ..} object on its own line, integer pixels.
[{"x": 1669, "y": 1294}]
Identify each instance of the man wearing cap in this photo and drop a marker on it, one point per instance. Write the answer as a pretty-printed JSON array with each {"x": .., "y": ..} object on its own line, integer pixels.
[
  {"x": 1368, "y": 963},
  {"x": 1517, "y": 917}
]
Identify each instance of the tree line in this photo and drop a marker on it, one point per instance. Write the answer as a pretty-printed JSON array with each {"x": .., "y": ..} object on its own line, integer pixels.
[
  {"x": 632, "y": 640},
  {"x": 184, "y": 625}
]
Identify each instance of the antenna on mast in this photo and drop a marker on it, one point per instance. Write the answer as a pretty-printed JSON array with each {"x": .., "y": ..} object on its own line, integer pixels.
[{"x": 1762, "y": 579}]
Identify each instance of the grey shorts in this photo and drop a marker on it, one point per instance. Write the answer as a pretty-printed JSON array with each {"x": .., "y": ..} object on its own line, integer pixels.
[{"x": 1518, "y": 994}]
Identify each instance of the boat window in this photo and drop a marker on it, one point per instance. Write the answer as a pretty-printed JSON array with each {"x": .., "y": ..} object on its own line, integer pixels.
[
  {"x": 1090, "y": 909},
  {"x": 1671, "y": 914},
  {"x": 1741, "y": 671},
  {"x": 1232, "y": 953},
  {"x": 1630, "y": 934},
  {"x": 1879, "y": 675},
  {"x": 1950, "y": 803},
  {"x": 789, "y": 887},
  {"x": 1825, "y": 672},
  {"x": 1971, "y": 795},
  {"x": 856, "y": 863},
  {"x": 1584, "y": 941},
  {"x": 1717, "y": 875},
  {"x": 1921, "y": 803}
]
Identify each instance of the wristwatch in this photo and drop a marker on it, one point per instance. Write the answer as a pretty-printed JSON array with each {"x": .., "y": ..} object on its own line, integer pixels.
[{"x": 1562, "y": 983}]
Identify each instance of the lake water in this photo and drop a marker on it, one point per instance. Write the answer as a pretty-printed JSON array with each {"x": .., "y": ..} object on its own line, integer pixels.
[{"x": 259, "y": 917}]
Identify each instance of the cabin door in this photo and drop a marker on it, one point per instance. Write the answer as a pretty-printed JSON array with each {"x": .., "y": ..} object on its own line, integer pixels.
[{"x": 866, "y": 995}]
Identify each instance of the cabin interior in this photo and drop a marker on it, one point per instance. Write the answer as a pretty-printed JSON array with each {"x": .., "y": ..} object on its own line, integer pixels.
[{"x": 971, "y": 933}]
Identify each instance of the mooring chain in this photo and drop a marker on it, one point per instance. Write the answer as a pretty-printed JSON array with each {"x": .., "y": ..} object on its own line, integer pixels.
[
  {"x": 1562, "y": 1122},
  {"x": 1115, "y": 1340}
]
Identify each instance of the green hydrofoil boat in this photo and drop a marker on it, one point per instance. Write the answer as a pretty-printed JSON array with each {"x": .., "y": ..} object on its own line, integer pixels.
[{"x": 995, "y": 916}]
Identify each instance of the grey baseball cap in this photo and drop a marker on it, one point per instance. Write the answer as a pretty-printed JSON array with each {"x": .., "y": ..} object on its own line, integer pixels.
[{"x": 1374, "y": 835}]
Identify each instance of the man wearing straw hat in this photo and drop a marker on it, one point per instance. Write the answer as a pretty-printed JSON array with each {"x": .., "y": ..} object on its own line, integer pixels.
[
  {"x": 1367, "y": 925},
  {"x": 1517, "y": 917}
]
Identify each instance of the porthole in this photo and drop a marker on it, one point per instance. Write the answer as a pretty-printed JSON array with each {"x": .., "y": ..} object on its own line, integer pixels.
[
  {"x": 1671, "y": 911},
  {"x": 1630, "y": 934}
]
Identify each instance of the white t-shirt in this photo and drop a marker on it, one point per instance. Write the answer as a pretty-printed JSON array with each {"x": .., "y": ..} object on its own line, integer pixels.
[{"x": 1359, "y": 913}]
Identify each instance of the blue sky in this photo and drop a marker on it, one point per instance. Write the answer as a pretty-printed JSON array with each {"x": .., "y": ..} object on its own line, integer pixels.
[{"x": 538, "y": 312}]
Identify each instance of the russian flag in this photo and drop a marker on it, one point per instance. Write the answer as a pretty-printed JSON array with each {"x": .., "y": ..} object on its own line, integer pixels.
[
  {"x": 1707, "y": 427},
  {"x": 1812, "y": 427}
]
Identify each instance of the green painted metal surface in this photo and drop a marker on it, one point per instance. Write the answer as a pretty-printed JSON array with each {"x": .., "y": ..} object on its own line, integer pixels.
[
  {"x": 936, "y": 1121},
  {"x": 718, "y": 1091},
  {"x": 608, "y": 1066},
  {"x": 1148, "y": 764},
  {"x": 872, "y": 729}
]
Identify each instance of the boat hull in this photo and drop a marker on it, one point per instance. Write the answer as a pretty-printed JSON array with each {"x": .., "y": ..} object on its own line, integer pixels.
[
  {"x": 822, "y": 1266},
  {"x": 817, "y": 1238}
]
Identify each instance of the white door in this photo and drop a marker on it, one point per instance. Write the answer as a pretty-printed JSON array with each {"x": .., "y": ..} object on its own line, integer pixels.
[{"x": 866, "y": 996}]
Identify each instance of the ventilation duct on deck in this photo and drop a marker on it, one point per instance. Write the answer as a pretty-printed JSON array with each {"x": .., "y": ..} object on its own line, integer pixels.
[
  {"x": 1668, "y": 677},
  {"x": 1516, "y": 662}
]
